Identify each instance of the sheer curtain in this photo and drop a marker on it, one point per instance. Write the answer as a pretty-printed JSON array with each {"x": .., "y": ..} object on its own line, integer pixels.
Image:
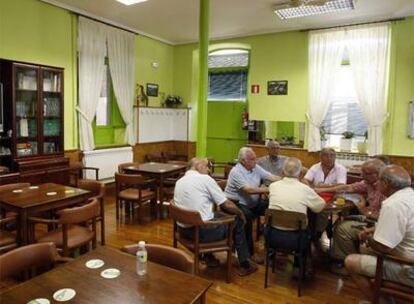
[
  {"x": 325, "y": 54},
  {"x": 368, "y": 48},
  {"x": 121, "y": 55},
  {"x": 92, "y": 50}
]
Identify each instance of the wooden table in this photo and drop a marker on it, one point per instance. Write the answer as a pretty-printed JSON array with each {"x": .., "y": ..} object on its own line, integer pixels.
[
  {"x": 160, "y": 285},
  {"x": 32, "y": 200},
  {"x": 158, "y": 171}
]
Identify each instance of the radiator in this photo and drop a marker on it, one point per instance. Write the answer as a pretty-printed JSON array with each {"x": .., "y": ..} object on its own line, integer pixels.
[{"x": 107, "y": 160}]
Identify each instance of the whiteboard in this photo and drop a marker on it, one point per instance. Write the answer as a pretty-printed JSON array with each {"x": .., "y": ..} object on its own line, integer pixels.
[{"x": 160, "y": 124}]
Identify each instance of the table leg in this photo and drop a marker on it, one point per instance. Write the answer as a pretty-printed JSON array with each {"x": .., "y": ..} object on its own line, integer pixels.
[
  {"x": 203, "y": 298},
  {"x": 161, "y": 197},
  {"x": 24, "y": 238}
]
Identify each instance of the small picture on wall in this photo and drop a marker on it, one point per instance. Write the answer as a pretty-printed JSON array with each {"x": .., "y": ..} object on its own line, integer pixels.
[
  {"x": 152, "y": 89},
  {"x": 277, "y": 87}
]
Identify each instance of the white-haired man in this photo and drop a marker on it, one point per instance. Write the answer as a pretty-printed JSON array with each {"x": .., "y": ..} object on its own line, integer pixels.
[
  {"x": 393, "y": 233},
  {"x": 244, "y": 188},
  {"x": 196, "y": 190},
  {"x": 292, "y": 195},
  {"x": 272, "y": 162}
]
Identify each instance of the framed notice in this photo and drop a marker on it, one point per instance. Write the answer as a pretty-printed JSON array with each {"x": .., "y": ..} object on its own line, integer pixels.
[{"x": 277, "y": 87}]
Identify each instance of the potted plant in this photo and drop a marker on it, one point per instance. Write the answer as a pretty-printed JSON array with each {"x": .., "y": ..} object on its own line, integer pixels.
[
  {"x": 173, "y": 101},
  {"x": 362, "y": 145},
  {"x": 346, "y": 141}
]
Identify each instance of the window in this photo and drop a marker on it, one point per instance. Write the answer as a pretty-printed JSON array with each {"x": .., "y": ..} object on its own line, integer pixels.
[
  {"x": 103, "y": 110},
  {"x": 344, "y": 113},
  {"x": 227, "y": 79}
]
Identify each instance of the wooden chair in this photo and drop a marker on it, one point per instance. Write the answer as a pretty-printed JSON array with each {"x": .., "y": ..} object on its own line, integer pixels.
[
  {"x": 382, "y": 286},
  {"x": 134, "y": 189},
  {"x": 8, "y": 239},
  {"x": 157, "y": 157},
  {"x": 22, "y": 259},
  {"x": 4, "y": 170},
  {"x": 193, "y": 218},
  {"x": 74, "y": 227},
  {"x": 98, "y": 191},
  {"x": 222, "y": 183},
  {"x": 121, "y": 167},
  {"x": 290, "y": 220},
  {"x": 174, "y": 156},
  {"x": 76, "y": 172},
  {"x": 165, "y": 255},
  {"x": 11, "y": 187}
]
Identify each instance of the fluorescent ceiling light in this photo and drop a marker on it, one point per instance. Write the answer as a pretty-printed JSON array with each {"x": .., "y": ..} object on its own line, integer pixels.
[
  {"x": 130, "y": 2},
  {"x": 309, "y": 10}
]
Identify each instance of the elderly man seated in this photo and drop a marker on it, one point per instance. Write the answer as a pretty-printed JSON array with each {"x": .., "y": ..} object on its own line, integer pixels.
[
  {"x": 244, "y": 188},
  {"x": 326, "y": 173},
  {"x": 273, "y": 162},
  {"x": 196, "y": 190},
  {"x": 346, "y": 232},
  {"x": 393, "y": 234},
  {"x": 291, "y": 195}
]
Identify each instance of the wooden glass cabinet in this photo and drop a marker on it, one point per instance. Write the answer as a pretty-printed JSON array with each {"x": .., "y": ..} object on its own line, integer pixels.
[{"x": 33, "y": 114}]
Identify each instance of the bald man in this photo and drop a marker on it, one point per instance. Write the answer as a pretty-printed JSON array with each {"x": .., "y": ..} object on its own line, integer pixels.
[
  {"x": 393, "y": 233},
  {"x": 345, "y": 237}
]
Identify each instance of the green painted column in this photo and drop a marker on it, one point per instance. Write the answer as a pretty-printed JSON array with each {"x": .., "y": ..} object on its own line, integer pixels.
[{"x": 203, "y": 79}]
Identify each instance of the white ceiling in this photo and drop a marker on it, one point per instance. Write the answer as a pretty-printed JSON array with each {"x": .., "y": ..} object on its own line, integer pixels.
[{"x": 176, "y": 21}]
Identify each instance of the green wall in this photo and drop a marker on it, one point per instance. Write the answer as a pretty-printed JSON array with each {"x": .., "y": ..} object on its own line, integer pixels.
[
  {"x": 36, "y": 32},
  {"x": 401, "y": 89},
  {"x": 284, "y": 56}
]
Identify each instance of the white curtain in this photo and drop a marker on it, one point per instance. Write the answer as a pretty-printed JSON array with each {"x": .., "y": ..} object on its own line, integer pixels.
[
  {"x": 92, "y": 50},
  {"x": 368, "y": 48},
  {"x": 325, "y": 54},
  {"x": 121, "y": 55}
]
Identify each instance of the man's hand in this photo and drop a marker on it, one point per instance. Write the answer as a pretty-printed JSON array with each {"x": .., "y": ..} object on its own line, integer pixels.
[{"x": 365, "y": 234}]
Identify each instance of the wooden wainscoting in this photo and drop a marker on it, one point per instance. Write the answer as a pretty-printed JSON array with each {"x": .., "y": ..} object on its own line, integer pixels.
[
  {"x": 74, "y": 155},
  {"x": 179, "y": 147}
]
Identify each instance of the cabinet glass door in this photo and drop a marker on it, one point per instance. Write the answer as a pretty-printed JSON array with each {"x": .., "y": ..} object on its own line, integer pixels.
[
  {"x": 26, "y": 110},
  {"x": 52, "y": 111}
]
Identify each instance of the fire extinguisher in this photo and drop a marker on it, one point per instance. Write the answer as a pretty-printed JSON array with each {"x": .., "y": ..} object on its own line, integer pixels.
[{"x": 245, "y": 119}]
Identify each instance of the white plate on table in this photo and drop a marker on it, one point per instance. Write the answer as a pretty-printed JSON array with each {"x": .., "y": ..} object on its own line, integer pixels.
[
  {"x": 33, "y": 187},
  {"x": 110, "y": 273},
  {"x": 17, "y": 191},
  {"x": 64, "y": 294},
  {"x": 51, "y": 193},
  {"x": 95, "y": 263},
  {"x": 39, "y": 301}
]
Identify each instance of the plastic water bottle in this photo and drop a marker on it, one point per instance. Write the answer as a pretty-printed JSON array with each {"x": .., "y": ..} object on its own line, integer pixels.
[{"x": 141, "y": 259}]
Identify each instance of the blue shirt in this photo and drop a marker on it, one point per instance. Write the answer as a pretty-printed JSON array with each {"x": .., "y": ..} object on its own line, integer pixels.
[{"x": 240, "y": 177}]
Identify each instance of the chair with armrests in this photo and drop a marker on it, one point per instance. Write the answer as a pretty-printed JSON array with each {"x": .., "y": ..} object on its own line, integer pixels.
[
  {"x": 74, "y": 227},
  {"x": 23, "y": 258},
  {"x": 121, "y": 167},
  {"x": 165, "y": 255},
  {"x": 174, "y": 156},
  {"x": 98, "y": 191},
  {"x": 293, "y": 222},
  {"x": 11, "y": 187},
  {"x": 4, "y": 170},
  {"x": 8, "y": 239},
  {"x": 193, "y": 218},
  {"x": 156, "y": 157},
  {"x": 134, "y": 189},
  {"x": 382, "y": 286},
  {"x": 76, "y": 171}
]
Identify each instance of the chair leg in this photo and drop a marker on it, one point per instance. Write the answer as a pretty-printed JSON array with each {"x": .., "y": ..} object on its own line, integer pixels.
[
  {"x": 266, "y": 268},
  {"x": 229, "y": 256},
  {"x": 117, "y": 208},
  {"x": 102, "y": 231},
  {"x": 196, "y": 263},
  {"x": 301, "y": 273}
]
